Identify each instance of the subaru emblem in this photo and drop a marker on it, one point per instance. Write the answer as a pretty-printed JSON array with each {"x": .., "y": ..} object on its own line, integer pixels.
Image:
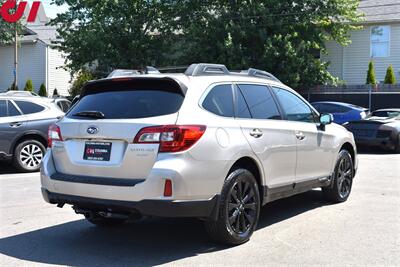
[{"x": 92, "y": 130}]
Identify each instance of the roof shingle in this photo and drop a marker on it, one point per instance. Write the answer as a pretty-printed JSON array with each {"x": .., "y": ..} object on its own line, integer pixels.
[{"x": 380, "y": 10}]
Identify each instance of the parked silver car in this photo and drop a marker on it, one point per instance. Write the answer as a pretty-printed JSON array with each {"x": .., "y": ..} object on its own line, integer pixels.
[
  {"x": 24, "y": 122},
  {"x": 209, "y": 143}
]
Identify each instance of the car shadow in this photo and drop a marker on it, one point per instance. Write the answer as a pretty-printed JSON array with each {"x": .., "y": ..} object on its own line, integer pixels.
[
  {"x": 6, "y": 167},
  {"x": 374, "y": 151},
  {"x": 151, "y": 242}
]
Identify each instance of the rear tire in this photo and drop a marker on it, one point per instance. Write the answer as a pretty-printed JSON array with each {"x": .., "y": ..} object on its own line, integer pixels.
[
  {"x": 28, "y": 155},
  {"x": 397, "y": 147},
  {"x": 239, "y": 209},
  {"x": 104, "y": 221},
  {"x": 340, "y": 188}
]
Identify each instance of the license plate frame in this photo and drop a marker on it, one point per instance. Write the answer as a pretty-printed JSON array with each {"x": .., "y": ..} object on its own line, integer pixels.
[{"x": 97, "y": 151}]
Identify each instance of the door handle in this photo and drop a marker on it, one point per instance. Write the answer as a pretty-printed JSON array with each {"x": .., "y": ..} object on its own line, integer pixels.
[
  {"x": 256, "y": 133},
  {"x": 15, "y": 124},
  {"x": 300, "y": 136}
]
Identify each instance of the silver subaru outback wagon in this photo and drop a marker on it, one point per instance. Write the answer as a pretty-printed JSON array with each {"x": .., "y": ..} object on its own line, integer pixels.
[{"x": 209, "y": 143}]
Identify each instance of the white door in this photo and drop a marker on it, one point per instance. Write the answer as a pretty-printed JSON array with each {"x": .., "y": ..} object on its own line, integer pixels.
[
  {"x": 314, "y": 145},
  {"x": 272, "y": 140}
]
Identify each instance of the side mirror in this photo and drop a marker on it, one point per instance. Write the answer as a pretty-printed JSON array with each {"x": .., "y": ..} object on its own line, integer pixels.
[{"x": 326, "y": 119}]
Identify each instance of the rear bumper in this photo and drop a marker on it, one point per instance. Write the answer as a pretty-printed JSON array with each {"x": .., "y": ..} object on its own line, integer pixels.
[
  {"x": 144, "y": 196},
  {"x": 162, "y": 208}
]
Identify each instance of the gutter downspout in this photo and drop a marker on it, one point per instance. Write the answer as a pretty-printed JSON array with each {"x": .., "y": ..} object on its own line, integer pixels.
[
  {"x": 343, "y": 57},
  {"x": 47, "y": 69}
]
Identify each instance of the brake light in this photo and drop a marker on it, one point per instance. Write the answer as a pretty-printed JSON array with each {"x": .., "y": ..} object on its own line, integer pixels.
[
  {"x": 172, "y": 138},
  {"x": 54, "y": 134}
]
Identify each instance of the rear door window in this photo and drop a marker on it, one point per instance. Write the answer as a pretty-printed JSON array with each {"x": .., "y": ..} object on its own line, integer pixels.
[
  {"x": 260, "y": 101},
  {"x": 12, "y": 110},
  {"x": 3, "y": 108},
  {"x": 242, "y": 108},
  {"x": 29, "y": 107},
  {"x": 220, "y": 101},
  {"x": 129, "y": 104}
]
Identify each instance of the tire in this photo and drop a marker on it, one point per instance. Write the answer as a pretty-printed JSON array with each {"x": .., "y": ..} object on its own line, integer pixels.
[
  {"x": 239, "y": 209},
  {"x": 28, "y": 155},
  {"x": 103, "y": 221},
  {"x": 397, "y": 147},
  {"x": 340, "y": 188}
]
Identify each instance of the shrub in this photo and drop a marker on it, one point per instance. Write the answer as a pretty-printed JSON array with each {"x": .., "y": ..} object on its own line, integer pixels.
[
  {"x": 83, "y": 77},
  {"x": 371, "y": 74},
  {"x": 390, "y": 78},
  {"x": 43, "y": 90},
  {"x": 29, "y": 86},
  {"x": 55, "y": 92}
]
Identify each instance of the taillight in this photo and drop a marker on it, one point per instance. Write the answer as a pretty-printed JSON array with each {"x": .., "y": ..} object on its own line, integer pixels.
[
  {"x": 54, "y": 134},
  {"x": 172, "y": 138}
]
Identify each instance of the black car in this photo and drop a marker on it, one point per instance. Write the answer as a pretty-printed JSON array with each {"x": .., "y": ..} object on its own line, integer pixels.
[
  {"x": 380, "y": 129},
  {"x": 24, "y": 122}
]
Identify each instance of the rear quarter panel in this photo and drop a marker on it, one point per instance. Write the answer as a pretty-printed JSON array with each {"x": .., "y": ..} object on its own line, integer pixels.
[
  {"x": 34, "y": 127},
  {"x": 219, "y": 148}
]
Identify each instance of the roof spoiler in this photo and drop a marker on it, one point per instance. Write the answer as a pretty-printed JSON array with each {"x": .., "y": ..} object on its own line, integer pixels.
[{"x": 126, "y": 72}]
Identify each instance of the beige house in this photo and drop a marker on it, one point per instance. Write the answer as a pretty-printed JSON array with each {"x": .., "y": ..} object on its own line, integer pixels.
[{"x": 379, "y": 40}]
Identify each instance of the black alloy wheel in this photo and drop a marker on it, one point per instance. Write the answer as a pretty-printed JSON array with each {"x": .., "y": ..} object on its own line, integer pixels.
[{"x": 239, "y": 209}]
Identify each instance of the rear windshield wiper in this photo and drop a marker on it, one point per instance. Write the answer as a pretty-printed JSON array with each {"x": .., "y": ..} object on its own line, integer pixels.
[{"x": 90, "y": 114}]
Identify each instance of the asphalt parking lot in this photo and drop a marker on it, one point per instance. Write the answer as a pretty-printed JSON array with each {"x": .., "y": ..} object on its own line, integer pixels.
[{"x": 303, "y": 230}]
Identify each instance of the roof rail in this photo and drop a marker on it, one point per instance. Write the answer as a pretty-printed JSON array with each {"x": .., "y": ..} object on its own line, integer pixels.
[
  {"x": 261, "y": 74},
  {"x": 206, "y": 69},
  {"x": 125, "y": 72},
  {"x": 18, "y": 93},
  {"x": 219, "y": 69}
]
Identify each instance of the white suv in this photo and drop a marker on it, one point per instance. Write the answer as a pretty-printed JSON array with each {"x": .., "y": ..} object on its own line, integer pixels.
[{"x": 209, "y": 143}]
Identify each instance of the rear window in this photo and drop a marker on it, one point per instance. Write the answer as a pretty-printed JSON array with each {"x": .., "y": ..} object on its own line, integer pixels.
[
  {"x": 385, "y": 114},
  {"x": 331, "y": 108},
  {"x": 130, "y": 104},
  {"x": 28, "y": 107},
  {"x": 220, "y": 101}
]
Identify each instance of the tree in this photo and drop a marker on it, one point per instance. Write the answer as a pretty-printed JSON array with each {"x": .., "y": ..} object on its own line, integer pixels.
[
  {"x": 43, "y": 90},
  {"x": 29, "y": 86},
  {"x": 390, "y": 78},
  {"x": 110, "y": 34},
  {"x": 83, "y": 77},
  {"x": 55, "y": 92},
  {"x": 284, "y": 37},
  {"x": 371, "y": 74},
  {"x": 7, "y": 30}
]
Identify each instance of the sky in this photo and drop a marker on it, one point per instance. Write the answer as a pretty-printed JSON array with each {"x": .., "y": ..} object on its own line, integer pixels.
[{"x": 51, "y": 10}]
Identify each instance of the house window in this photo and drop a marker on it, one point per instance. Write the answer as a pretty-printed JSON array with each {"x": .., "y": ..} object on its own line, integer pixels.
[{"x": 380, "y": 41}]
